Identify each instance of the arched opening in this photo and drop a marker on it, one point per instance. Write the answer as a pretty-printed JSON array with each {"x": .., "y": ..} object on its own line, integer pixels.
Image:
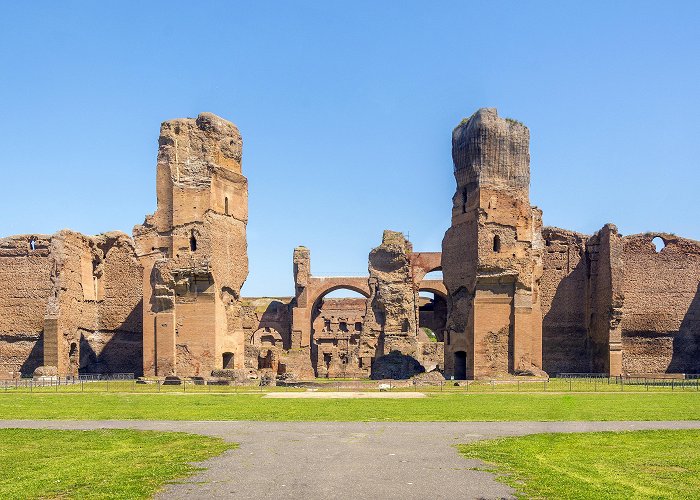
[
  {"x": 496, "y": 243},
  {"x": 227, "y": 361},
  {"x": 193, "y": 243},
  {"x": 226, "y": 205},
  {"x": 435, "y": 274},
  {"x": 464, "y": 200},
  {"x": 32, "y": 243},
  {"x": 659, "y": 243},
  {"x": 460, "y": 366},
  {"x": 432, "y": 316},
  {"x": 336, "y": 325}
]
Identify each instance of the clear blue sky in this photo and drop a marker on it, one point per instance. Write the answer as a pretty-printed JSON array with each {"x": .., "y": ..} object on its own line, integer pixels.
[{"x": 346, "y": 111}]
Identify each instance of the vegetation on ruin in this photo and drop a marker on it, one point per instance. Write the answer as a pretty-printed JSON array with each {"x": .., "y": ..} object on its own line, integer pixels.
[
  {"x": 431, "y": 334},
  {"x": 97, "y": 464},
  {"x": 463, "y": 122},
  {"x": 435, "y": 407},
  {"x": 604, "y": 465},
  {"x": 512, "y": 121}
]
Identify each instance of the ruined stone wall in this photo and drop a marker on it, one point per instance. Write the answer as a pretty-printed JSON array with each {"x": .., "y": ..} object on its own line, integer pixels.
[
  {"x": 337, "y": 327},
  {"x": 266, "y": 326},
  {"x": 605, "y": 299},
  {"x": 193, "y": 250},
  {"x": 72, "y": 308},
  {"x": 492, "y": 253},
  {"x": 116, "y": 345},
  {"x": 564, "y": 286},
  {"x": 661, "y": 313},
  {"x": 93, "y": 320},
  {"x": 75, "y": 303},
  {"x": 391, "y": 319},
  {"x": 25, "y": 274}
]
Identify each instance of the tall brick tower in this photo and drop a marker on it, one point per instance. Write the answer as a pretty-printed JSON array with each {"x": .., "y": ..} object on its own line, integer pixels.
[
  {"x": 193, "y": 250},
  {"x": 492, "y": 253}
]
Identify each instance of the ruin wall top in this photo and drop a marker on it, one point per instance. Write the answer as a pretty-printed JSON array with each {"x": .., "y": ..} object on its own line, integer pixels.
[{"x": 490, "y": 150}]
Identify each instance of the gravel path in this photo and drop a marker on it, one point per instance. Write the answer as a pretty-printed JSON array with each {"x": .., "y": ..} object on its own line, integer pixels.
[{"x": 320, "y": 460}]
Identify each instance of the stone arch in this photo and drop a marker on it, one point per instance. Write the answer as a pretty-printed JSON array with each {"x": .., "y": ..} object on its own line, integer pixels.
[
  {"x": 433, "y": 286},
  {"x": 423, "y": 263},
  {"x": 332, "y": 287},
  {"x": 328, "y": 354}
]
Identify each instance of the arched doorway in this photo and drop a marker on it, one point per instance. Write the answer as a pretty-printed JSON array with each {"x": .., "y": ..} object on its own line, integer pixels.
[{"x": 337, "y": 317}]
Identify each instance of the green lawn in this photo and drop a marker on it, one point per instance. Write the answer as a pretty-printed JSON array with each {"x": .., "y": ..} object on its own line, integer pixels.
[
  {"x": 450, "y": 407},
  {"x": 97, "y": 464},
  {"x": 601, "y": 465}
]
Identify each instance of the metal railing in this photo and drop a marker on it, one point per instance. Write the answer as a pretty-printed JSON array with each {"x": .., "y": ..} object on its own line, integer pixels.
[{"x": 213, "y": 385}]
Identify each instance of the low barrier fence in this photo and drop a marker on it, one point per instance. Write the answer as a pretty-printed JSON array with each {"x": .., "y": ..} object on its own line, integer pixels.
[{"x": 211, "y": 385}]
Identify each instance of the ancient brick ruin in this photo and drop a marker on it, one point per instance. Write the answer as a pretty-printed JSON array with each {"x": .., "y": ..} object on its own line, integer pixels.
[{"x": 516, "y": 298}]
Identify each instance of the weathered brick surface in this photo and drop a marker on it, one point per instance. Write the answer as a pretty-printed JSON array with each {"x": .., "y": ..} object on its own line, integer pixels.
[
  {"x": 661, "y": 311},
  {"x": 193, "y": 250},
  {"x": 515, "y": 299},
  {"x": 564, "y": 285}
]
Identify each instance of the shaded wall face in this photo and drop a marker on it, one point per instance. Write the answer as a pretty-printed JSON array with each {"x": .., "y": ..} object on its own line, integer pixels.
[
  {"x": 563, "y": 290},
  {"x": 459, "y": 253},
  {"x": 25, "y": 275},
  {"x": 97, "y": 306},
  {"x": 75, "y": 304},
  {"x": 661, "y": 313},
  {"x": 116, "y": 345},
  {"x": 266, "y": 324}
]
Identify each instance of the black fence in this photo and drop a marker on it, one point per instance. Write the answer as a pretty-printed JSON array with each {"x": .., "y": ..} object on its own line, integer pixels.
[{"x": 128, "y": 384}]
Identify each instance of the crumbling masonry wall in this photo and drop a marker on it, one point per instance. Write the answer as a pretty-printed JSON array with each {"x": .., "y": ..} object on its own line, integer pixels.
[
  {"x": 492, "y": 253},
  {"x": 79, "y": 301},
  {"x": 25, "y": 274},
  {"x": 660, "y": 317},
  {"x": 564, "y": 286},
  {"x": 515, "y": 299},
  {"x": 193, "y": 250}
]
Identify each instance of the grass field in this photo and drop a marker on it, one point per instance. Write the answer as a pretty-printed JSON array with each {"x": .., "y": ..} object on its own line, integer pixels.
[
  {"x": 97, "y": 464},
  {"x": 437, "y": 407},
  {"x": 601, "y": 465}
]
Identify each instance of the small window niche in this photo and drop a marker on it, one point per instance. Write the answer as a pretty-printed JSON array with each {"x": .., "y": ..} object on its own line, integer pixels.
[
  {"x": 496, "y": 243},
  {"x": 193, "y": 242},
  {"x": 226, "y": 205}
]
